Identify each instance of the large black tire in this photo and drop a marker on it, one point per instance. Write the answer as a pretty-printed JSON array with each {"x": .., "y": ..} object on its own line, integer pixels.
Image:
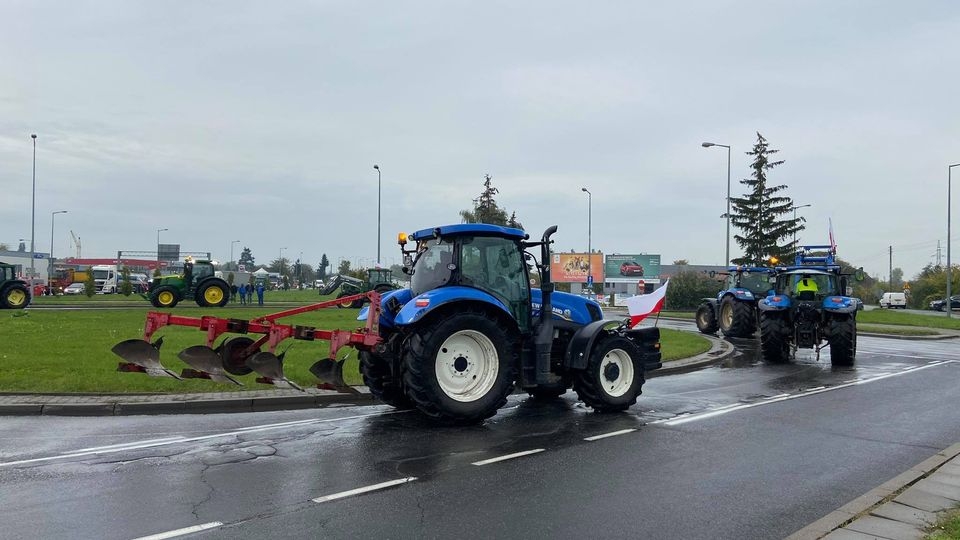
[
  {"x": 344, "y": 304},
  {"x": 773, "y": 337},
  {"x": 707, "y": 319},
  {"x": 843, "y": 341},
  {"x": 14, "y": 296},
  {"x": 231, "y": 354},
  {"x": 377, "y": 376},
  {"x": 614, "y": 376},
  {"x": 737, "y": 318},
  {"x": 165, "y": 297},
  {"x": 214, "y": 292},
  {"x": 460, "y": 369},
  {"x": 551, "y": 390}
]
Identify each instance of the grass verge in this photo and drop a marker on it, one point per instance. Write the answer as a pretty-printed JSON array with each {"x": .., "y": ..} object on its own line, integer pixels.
[
  {"x": 66, "y": 351},
  {"x": 887, "y": 316},
  {"x": 946, "y": 528},
  {"x": 896, "y": 330}
]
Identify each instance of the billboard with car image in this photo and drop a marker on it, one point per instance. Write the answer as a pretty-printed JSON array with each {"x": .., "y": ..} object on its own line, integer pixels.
[{"x": 629, "y": 268}]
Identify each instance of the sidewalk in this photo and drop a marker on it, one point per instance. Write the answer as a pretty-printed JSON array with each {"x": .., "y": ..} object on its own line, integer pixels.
[{"x": 899, "y": 509}]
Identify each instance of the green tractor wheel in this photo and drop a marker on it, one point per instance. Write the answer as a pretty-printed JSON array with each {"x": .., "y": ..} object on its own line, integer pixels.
[
  {"x": 15, "y": 297},
  {"x": 165, "y": 297},
  {"x": 213, "y": 293}
]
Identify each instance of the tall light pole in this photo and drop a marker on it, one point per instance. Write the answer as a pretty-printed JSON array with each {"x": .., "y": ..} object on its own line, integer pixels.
[
  {"x": 794, "y": 208},
  {"x": 158, "y": 246},
  {"x": 33, "y": 212},
  {"x": 281, "y": 264},
  {"x": 232, "y": 242},
  {"x": 949, "y": 179},
  {"x": 708, "y": 145},
  {"x": 377, "y": 167},
  {"x": 50, "y": 266},
  {"x": 589, "y": 236}
]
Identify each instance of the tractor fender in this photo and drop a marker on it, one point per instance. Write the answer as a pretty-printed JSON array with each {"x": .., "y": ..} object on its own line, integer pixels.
[
  {"x": 712, "y": 302},
  {"x": 578, "y": 351},
  {"x": 739, "y": 294},
  {"x": 419, "y": 306},
  {"x": 390, "y": 304},
  {"x": 839, "y": 304},
  {"x": 777, "y": 302}
]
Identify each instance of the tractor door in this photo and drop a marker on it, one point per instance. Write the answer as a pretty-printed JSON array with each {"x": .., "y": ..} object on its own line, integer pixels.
[{"x": 496, "y": 265}]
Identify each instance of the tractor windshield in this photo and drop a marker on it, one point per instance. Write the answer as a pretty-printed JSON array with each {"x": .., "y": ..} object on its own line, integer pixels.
[
  {"x": 823, "y": 284},
  {"x": 434, "y": 266},
  {"x": 756, "y": 282},
  {"x": 496, "y": 265}
]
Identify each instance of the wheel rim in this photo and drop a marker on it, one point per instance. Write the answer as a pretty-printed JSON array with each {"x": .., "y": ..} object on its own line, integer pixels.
[
  {"x": 616, "y": 372},
  {"x": 467, "y": 365},
  {"x": 702, "y": 318},
  {"x": 165, "y": 298},
  {"x": 346, "y": 304},
  {"x": 726, "y": 315},
  {"x": 213, "y": 295},
  {"x": 16, "y": 297}
]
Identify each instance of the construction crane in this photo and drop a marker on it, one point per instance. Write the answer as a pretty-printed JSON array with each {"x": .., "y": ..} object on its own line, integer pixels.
[{"x": 76, "y": 242}]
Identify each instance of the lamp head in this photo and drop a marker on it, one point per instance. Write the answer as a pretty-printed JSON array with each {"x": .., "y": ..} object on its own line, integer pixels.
[
  {"x": 707, "y": 144},
  {"x": 377, "y": 167},
  {"x": 33, "y": 135}
]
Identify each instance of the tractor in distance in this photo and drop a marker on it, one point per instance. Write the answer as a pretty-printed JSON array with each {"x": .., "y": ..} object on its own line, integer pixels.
[
  {"x": 809, "y": 309},
  {"x": 734, "y": 310},
  {"x": 378, "y": 279},
  {"x": 198, "y": 282},
  {"x": 453, "y": 345},
  {"x": 13, "y": 292}
]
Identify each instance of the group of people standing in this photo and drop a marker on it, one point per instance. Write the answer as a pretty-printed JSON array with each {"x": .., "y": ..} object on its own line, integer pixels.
[{"x": 245, "y": 291}]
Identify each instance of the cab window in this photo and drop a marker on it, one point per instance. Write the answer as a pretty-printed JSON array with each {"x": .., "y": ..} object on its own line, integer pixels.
[{"x": 496, "y": 265}]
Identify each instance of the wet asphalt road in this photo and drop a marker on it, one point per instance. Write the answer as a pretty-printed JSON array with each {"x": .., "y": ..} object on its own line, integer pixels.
[{"x": 742, "y": 450}]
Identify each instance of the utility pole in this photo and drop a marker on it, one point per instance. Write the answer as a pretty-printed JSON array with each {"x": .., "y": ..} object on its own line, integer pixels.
[
  {"x": 891, "y": 268},
  {"x": 938, "y": 253}
]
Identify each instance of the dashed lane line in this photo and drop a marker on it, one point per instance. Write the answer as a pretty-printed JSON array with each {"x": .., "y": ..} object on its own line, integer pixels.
[
  {"x": 181, "y": 532},
  {"x": 508, "y": 456},
  {"x": 611, "y": 434},
  {"x": 365, "y": 489}
]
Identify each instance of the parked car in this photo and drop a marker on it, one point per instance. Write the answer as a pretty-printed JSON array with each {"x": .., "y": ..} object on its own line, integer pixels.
[
  {"x": 74, "y": 288},
  {"x": 893, "y": 300},
  {"x": 938, "y": 305},
  {"x": 631, "y": 268}
]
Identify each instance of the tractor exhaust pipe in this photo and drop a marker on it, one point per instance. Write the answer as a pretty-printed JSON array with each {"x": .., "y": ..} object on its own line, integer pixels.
[{"x": 543, "y": 341}]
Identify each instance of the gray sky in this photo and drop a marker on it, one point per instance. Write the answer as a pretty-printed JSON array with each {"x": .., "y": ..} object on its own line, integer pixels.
[{"x": 261, "y": 122}]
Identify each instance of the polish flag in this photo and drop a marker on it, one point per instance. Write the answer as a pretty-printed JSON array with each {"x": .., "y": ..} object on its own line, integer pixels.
[
  {"x": 833, "y": 243},
  {"x": 643, "y": 305}
]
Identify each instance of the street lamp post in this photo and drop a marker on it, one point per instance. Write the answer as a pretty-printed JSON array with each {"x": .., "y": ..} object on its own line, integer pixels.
[
  {"x": 949, "y": 179},
  {"x": 708, "y": 145},
  {"x": 377, "y": 167},
  {"x": 589, "y": 236},
  {"x": 50, "y": 266},
  {"x": 794, "y": 208},
  {"x": 232, "y": 242},
  {"x": 281, "y": 265},
  {"x": 33, "y": 212},
  {"x": 158, "y": 246}
]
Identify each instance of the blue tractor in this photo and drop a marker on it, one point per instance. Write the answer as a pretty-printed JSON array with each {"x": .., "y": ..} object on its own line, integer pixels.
[
  {"x": 809, "y": 309},
  {"x": 734, "y": 310},
  {"x": 470, "y": 327}
]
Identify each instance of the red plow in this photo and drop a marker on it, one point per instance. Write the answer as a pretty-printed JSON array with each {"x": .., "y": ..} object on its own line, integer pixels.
[{"x": 242, "y": 354}]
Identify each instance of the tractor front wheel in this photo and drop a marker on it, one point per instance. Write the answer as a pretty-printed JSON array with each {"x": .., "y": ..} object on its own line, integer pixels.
[
  {"x": 460, "y": 369},
  {"x": 707, "y": 319},
  {"x": 344, "y": 304},
  {"x": 843, "y": 341},
  {"x": 15, "y": 296},
  {"x": 165, "y": 297},
  {"x": 213, "y": 293},
  {"x": 614, "y": 375},
  {"x": 381, "y": 382},
  {"x": 773, "y": 337}
]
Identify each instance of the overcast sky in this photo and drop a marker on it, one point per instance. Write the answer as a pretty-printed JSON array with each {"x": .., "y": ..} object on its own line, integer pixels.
[{"x": 261, "y": 122}]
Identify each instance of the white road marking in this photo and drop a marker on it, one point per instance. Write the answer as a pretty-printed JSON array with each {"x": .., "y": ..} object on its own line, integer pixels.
[
  {"x": 181, "y": 532},
  {"x": 814, "y": 389},
  {"x": 366, "y": 489},
  {"x": 161, "y": 442},
  {"x": 611, "y": 434},
  {"x": 683, "y": 419},
  {"x": 125, "y": 445},
  {"x": 508, "y": 456}
]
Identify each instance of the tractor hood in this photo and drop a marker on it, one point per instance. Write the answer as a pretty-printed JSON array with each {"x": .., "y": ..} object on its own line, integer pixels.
[{"x": 568, "y": 307}]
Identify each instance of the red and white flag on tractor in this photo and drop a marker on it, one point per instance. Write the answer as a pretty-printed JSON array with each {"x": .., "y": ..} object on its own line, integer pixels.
[{"x": 643, "y": 305}]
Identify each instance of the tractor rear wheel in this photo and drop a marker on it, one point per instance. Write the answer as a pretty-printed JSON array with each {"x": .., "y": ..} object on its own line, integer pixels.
[
  {"x": 212, "y": 293},
  {"x": 707, "y": 319},
  {"x": 15, "y": 296},
  {"x": 460, "y": 369},
  {"x": 773, "y": 337},
  {"x": 737, "y": 318},
  {"x": 843, "y": 341},
  {"x": 233, "y": 357},
  {"x": 614, "y": 375},
  {"x": 379, "y": 379},
  {"x": 165, "y": 297}
]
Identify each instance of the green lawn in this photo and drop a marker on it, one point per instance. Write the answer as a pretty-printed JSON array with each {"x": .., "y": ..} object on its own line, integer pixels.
[
  {"x": 947, "y": 527},
  {"x": 889, "y": 316},
  {"x": 896, "y": 330},
  {"x": 69, "y": 350}
]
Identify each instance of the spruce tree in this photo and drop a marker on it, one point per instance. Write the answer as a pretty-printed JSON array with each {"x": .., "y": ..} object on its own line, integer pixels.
[
  {"x": 246, "y": 258},
  {"x": 485, "y": 208},
  {"x": 322, "y": 267},
  {"x": 763, "y": 214}
]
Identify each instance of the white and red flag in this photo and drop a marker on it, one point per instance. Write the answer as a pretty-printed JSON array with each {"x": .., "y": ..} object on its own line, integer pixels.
[
  {"x": 833, "y": 243},
  {"x": 643, "y": 305}
]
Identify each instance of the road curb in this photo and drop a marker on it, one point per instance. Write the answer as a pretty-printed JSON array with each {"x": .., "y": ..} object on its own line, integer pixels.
[
  {"x": 877, "y": 496},
  {"x": 720, "y": 350},
  {"x": 912, "y": 338}
]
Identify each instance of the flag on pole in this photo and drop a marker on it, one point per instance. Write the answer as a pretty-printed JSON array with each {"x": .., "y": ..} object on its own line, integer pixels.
[
  {"x": 643, "y": 305},
  {"x": 833, "y": 243}
]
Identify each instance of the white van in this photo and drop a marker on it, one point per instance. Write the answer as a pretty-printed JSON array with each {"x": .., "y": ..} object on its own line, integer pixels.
[{"x": 893, "y": 300}]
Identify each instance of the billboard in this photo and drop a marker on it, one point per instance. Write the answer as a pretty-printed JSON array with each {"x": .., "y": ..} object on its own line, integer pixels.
[
  {"x": 572, "y": 267},
  {"x": 168, "y": 252},
  {"x": 630, "y": 268}
]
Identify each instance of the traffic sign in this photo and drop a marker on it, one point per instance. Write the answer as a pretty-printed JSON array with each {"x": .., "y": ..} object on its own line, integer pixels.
[{"x": 590, "y": 279}]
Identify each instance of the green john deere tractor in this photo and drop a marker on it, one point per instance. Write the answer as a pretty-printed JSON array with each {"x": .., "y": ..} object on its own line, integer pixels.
[
  {"x": 13, "y": 292},
  {"x": 198, "y": 282},
  {"x": 378, "y": 279}
]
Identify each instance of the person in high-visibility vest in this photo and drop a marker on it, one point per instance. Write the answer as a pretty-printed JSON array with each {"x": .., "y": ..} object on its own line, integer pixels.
[{"x": 806, "y": 284}]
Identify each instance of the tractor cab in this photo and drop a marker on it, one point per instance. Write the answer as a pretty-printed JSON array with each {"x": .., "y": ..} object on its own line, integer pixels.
[
  {"x": 808, "y": 284},
  {"x": 376, "y": 276}
]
